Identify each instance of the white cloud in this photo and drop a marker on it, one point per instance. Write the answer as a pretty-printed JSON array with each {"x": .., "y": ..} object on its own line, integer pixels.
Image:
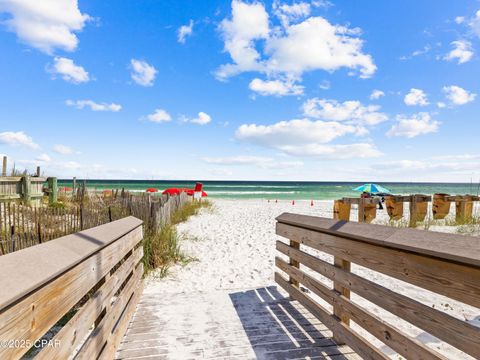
[
  {"x": 143, "y": 73},
  {"x": 292, "y": 132},
  {"x": 249, "y": 22},
  {"x": 258, "y": 161},
  {"x": 349, "y": 111},
  {"x": 347, "y": 151},
  {"x": 460, "y": 19},
  {"x": 303, "y": 137},
  {"x": 324, "y": 85},
  {"x": 441, "y": 105},
  {"x": 80, "y": 104},
  {"x": 418, "y": 52},
  {"x": 376, "y": 94},
  {"x": 68, "y": 70},
  {"x": 44, "y": 158},
  {"x": 18, "y": 138},
  {"x": 457, "y": 95},
  {"x": 275, "y": 87},
  {"x": 63, "y": 149},
  {"x": 462, "y": 51},
  {"x": 315, "y": 44},
  {"x": 416, "y": 97},
  {"x": 413, "y": 125},
  {"x": 159, "y": 116},
  {"x": 185, "y": 31},
  {"x": 201, "y": 119},
  {"x": 474, "y": 23},
  {"x": 289, "y": 51},
  {"x": 45, "y": 24},
  {"x": 288, "y": 13}
]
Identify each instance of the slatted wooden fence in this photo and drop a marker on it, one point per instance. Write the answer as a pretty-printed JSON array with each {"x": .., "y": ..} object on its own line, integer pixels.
[
  {"x": 445, "y": 264},
  {"x": 90, "y": 280},
  {"x": 22, "y": 226}
]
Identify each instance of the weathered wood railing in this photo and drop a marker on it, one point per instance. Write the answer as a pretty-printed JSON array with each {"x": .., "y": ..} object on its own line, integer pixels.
[
  {"x": 445, "y": 264},
  {"x": 90, "y": 280}
]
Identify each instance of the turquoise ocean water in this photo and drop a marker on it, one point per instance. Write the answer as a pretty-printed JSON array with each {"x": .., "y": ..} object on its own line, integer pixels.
[{"x": 279, "y": 190}]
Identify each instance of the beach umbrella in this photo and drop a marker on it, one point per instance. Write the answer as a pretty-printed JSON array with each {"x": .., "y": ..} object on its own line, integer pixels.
[
  {"x": 372, "y": 189},
  {"x": 151, "y": 190}
]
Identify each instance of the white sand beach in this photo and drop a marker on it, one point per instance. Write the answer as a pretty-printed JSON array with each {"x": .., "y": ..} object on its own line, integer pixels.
[{"x": 234, "y": 248}]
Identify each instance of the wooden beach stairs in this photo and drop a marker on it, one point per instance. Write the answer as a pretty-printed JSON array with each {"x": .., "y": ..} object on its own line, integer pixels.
[{"x": 81, "y": 296}]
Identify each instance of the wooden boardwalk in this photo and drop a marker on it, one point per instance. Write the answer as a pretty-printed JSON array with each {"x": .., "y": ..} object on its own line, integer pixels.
[{"x": 252, "y": 324}]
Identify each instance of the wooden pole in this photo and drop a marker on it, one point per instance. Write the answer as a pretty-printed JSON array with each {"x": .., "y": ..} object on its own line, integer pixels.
[
  {"x": 27, "y": 189},
  {"x": 38, "y": 171},
  {"x": 4, "y": 166},
  {"x": 53, "y": 190},
  {"x": 413, "y": 211},
  {"x": 296, "y": 245},
  {"x": 74, "y": 187},
  {"x": 337, "y": 309},
  {"x": 361, "y": 210}
]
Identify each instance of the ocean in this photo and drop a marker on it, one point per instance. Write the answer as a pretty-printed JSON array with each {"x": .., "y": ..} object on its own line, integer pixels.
[{"x": 291, "y": 190}]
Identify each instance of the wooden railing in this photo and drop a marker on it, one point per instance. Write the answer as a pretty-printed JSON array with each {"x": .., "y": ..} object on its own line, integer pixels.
[
  {"x": 83, "y": 287},
  {"x": 445, "y": 264}
]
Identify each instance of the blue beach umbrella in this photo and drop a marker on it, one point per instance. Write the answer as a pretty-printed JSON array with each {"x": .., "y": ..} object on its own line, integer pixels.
[{"x": 372, "y": 189}]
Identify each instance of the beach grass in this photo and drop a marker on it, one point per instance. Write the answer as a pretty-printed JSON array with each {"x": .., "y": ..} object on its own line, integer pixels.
[{"x": 162, "y": 247}]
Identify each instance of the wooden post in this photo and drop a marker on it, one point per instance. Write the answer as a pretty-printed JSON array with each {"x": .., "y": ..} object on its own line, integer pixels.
[
  {"x": 38, "y": 171},
  {"x": 81, "y": 216},
  {"x": 53, "y": 190},
  {"x": 296, "y": 245},
  {"x": 440, "y": 206},
  {"x": 341, "y": 210},
  {"x": 74, "y": 187},
  {"x": 4, "y": 166},
  {"x": 110, "y": 213},
  {"x": 26, "y": 189},
  {"x": 361, "y": 210},
  {"x": 337, "y": 309},
  {"x": 464, "y": 209},
  {"x": 413, "y": 211}
]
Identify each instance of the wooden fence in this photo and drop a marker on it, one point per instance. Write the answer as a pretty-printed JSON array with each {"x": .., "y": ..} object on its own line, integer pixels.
[
  {"x": 90, "y": 281},
  {"x": 444, "y": 264},
  {"x": 417, "y": 205},
  {"x": 22, "y": 226}
]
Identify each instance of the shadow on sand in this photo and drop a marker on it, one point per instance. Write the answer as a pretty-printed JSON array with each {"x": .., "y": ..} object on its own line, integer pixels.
[{"x": 280, "y": 329}]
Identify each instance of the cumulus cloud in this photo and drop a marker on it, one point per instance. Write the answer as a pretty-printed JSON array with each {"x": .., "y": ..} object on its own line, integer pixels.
[
  {"x": 47, "y": 24},
  {"x": 258, "y": 161},
  {"x": 292, "y": 132},
  {"x": 142, "y": 73},
  {"x": 68, "y": 70},
  {"x": 304, "y": 137},
  {"x": 416, "y": 97},
  {"x": 413, "y": 125},
  {"x": 288, "y": 13},
  {"x": 45, "y": 158},
  {"x": 63, "y": 149},
  {"x": 462, "y": 51},
  {"x": 18, "y": 138},
  {"x": 291, "y": 50},
  {"x": 80, "y": 104},
  {"x": 351, "y": 111},
  {"x": 275, "y": 87},
  {"x": 328, "y": 151},
  {"x": 376, "y": 94},
  {"x": 457, "y": 95},
  {"x": 185, "y": 31},
  {"x": 474, "y": 23},
  {"x": 159, "y": 116},
  {"x": 201, "y": 119},
  {"x": 249, "y": 22}
]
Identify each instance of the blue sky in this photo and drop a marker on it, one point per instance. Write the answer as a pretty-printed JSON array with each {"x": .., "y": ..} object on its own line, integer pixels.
[{"x": 242, "y": 90}]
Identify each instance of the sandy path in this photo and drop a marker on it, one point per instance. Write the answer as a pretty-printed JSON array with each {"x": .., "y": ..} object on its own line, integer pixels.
[{"x": 234, "y": 244}]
